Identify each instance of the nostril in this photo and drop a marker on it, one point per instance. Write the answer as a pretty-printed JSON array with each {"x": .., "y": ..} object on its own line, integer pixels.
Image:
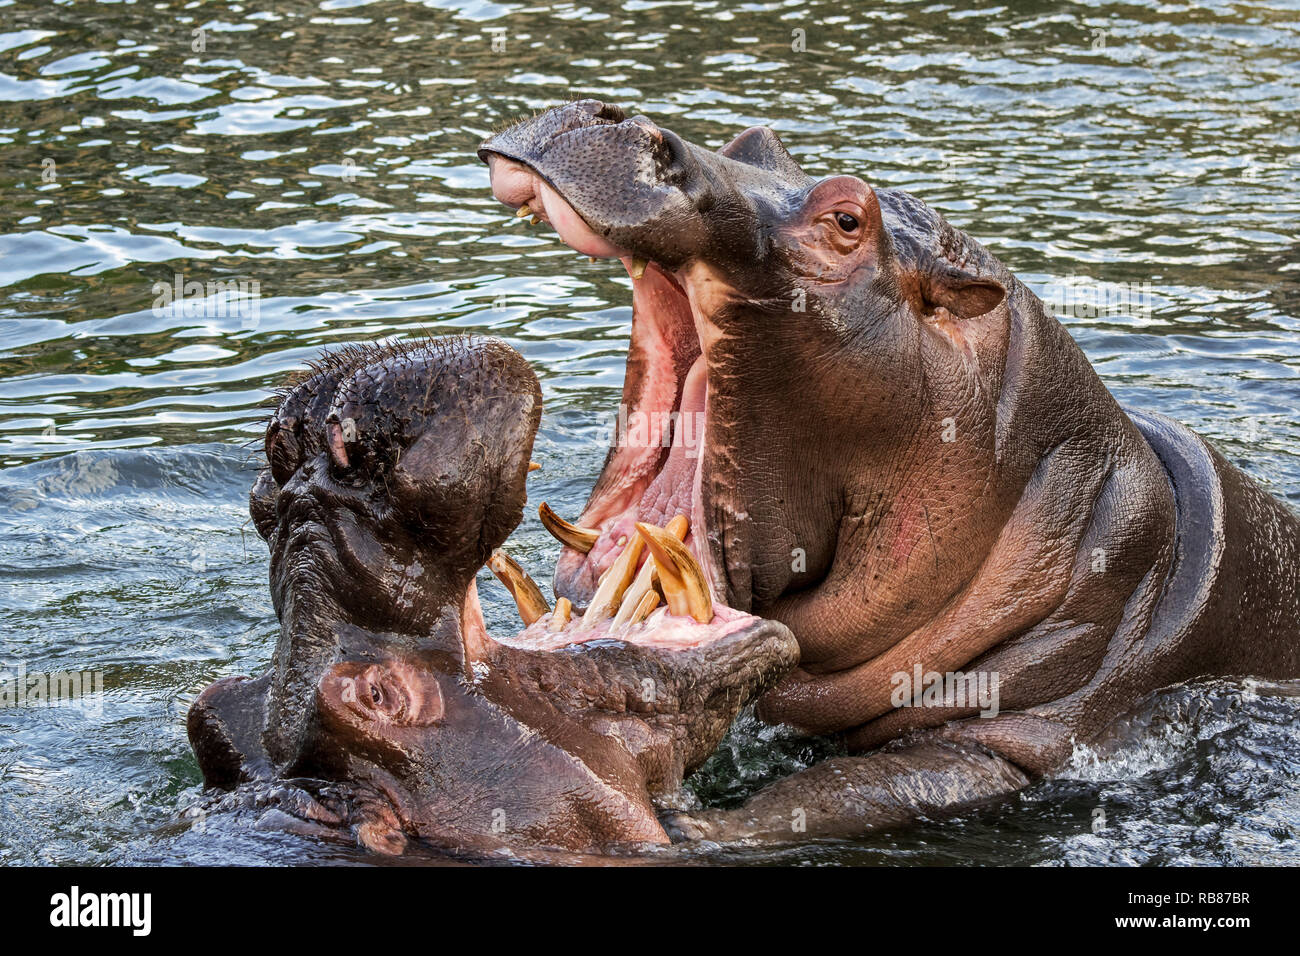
[
  {"x": 651, "y": 129},
  {"x": 339, "y": 434},
  {"x": 610, "y": 113},
  {"x": 672, "y": 157},
  {"x": 281, "y": 453}
]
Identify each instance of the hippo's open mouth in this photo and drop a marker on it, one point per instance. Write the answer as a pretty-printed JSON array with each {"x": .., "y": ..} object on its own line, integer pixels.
[
  {"x": 657, "y": 459},
  {"x": 652, "y": 592}
]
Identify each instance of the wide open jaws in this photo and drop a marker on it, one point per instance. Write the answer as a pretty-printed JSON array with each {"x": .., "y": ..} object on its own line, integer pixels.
[
  {"x": 660, "y": 439},
  {"x": 655, "y": 466},
  {"x": 654, "y": 595}
]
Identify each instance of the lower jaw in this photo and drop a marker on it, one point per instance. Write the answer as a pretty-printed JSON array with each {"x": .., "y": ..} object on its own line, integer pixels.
[{"x": 661, "y": 629}]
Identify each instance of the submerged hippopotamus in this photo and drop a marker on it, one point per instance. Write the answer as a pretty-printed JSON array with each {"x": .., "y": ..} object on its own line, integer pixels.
[
  {"x": 895, "y": 451},
  {"x": 393, "y": 476}
]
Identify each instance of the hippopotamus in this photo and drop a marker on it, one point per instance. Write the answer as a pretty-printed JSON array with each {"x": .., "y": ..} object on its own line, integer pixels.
[
  {"x": 393, "y": 474},
  {"x": 897, "y": 452}
]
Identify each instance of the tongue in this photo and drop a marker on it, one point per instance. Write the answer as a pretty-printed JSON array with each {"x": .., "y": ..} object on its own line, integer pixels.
[{"x": 673, "y": 489}]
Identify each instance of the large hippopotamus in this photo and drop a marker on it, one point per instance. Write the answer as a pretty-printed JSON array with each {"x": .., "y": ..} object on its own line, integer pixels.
[
  {"x": 394, "y": 474},
  {"x": 883, "y": 441}
]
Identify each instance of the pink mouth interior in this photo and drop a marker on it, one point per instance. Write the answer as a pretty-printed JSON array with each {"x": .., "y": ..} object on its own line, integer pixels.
[
  {"x": 656, "y": 470},
  {"x": 661, "y": 629}
]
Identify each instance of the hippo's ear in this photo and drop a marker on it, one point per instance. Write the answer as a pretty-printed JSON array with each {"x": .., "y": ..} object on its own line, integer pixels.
[
  {"x": 963, "y": 294},
  {"x": 759, "y": 146}
]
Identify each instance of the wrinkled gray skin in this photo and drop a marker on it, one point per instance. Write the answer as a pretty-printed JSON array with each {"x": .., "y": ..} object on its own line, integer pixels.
[
  {"x": 393, "y": 472},
  {"x": 886, "y": 399}
]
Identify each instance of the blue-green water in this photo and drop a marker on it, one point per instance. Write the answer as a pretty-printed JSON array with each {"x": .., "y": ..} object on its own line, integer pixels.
[{"x": 325, "y": 153}]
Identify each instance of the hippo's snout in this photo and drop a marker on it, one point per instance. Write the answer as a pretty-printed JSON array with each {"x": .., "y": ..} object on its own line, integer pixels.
[
  {"x": 612, "y": 185},
  {"x": 393, "y": 472},
  {"x": 523, "y": 189}
]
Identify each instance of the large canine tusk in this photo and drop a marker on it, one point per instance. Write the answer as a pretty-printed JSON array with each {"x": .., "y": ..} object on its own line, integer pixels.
[
  {"x": 645, "y": 578},
  {"x": 685, "y": 589},
  {"x": 580, "y": 539},
  {"x": 611, "y": 587},
  {"x": 528, "y": 596}
]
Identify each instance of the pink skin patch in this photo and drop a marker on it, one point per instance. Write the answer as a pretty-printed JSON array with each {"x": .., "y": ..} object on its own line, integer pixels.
[
  {"x": 909, "y": 535},
  {"x": 515, "y": 184},
  {"x": 660, "y": 629},
  {"x": 670, "y": 491}
]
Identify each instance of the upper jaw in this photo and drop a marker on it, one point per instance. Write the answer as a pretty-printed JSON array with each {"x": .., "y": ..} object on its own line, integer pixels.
[{"x": 613, "y": 186}]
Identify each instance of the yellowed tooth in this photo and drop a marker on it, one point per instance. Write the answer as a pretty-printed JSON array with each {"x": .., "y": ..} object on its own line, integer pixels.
[
  {"x": 563, "y": 613},
  {"x": 604, "y": 603},
  {"x": 645, "y": 578},
  {"x": 649, "y": 601},
  {"x": 685, "y": 590},
  {"x": 523, "y": 211},
  {"x": 533, "y": 466},
  {"x": 638, "y": 268},
  {"x": 535, "y": 220},
  {"x": 592, "y": 259},
  {"x": 527, "y": 595},
  {"x": 580, "y": 539}
]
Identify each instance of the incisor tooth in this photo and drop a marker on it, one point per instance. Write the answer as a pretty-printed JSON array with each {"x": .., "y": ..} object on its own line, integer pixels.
[
  {"x": 580, "y": 539},
  {"x": 527, "y": 595},
  {"x": 523, "y": 211},
  {"x": 562, "y": 615},
  {"x": 685, "y": 589},
  {"x": 610, "y": 590},
  {"x": 533, "y": 466},
  {"x": 643, "y": 607},
  {"x": 645, "y": 578},
  {"x": 638, "y": 268}
]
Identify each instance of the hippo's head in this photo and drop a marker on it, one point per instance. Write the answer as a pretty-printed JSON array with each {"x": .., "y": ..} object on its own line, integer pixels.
[
  {"x": 809, "y": 329},
  {"x": 393, "y": 476}
]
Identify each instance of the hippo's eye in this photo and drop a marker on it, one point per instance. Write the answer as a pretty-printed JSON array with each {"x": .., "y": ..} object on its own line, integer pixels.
[
  {"x": 388, "y": 698},
  {"x": 848, "y": 223}
]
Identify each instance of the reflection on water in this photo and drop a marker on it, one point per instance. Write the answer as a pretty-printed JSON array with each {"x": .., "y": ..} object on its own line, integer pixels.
[{"x": 306, "y": 176}]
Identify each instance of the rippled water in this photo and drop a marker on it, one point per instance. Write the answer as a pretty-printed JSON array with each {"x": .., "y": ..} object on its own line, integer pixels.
[{"x": 321, "y": 158}]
